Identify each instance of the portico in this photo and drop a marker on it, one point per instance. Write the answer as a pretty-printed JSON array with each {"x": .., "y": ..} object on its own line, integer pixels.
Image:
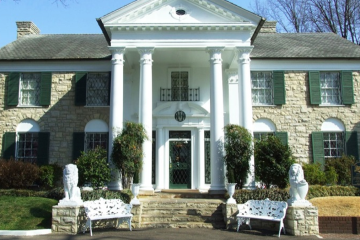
[{"x": 168, "y": 73}]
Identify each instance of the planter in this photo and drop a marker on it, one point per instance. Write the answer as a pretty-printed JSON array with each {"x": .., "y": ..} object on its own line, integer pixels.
[
  {"x": 135, "y": 187},
  {"x": 231, "y": 191}
]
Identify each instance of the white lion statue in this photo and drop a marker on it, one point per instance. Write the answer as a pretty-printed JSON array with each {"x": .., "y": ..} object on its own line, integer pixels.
[
  {"x": 298, "y": 186},
  {"x": 72, "y": 191}
]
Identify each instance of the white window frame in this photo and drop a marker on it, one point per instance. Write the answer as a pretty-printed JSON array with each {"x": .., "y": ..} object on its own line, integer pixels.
[
  {"x": 36, "y": 90},
  {"x": 336, "y": 127},
  {"x": 258, "y": 91},
  {"x": 96, "y": 127},
  {"x": 27, "y": 127},
  {"x": 171, "y": 70},
  {"x": 328, "y": 95},
  {"x": 263, "y": 127}
]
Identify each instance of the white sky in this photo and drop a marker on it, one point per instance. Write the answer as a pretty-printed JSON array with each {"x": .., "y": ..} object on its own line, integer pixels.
[{"x": 78, "y": 17}]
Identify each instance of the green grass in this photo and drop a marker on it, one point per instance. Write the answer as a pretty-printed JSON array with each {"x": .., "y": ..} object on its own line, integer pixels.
[{"x": 25, "y": 213}]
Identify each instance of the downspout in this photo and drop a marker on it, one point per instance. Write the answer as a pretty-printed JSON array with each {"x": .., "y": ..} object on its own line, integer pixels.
[{"x": 257, "y": 30}]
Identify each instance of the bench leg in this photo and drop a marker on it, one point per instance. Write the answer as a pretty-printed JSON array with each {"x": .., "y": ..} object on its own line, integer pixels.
[
  {"x": 243, "y": 220},
  {"x": 283, "y": 227},
  {"x": 129, "y": 222}
]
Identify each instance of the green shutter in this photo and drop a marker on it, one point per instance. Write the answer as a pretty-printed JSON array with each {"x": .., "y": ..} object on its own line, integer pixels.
[
  {"x": 80, "y": 89},
  {"x": 9, "y": 143},
  {"x": 283, "y": 136},
  {"x": 317, "y": 139},
  {"x": 347, "y": 89},
  {"x": 352, "y": 147},
  {"x": 43, "y": 149},
  {"x": 314, "y": 86},
  {"x": 78, "y": 144},
  {"x": 279, "y": 87},
  {"x": 45, "y": 92},
  {"x": 109, "y": 88},
  {"x": 12, "y": 89}
]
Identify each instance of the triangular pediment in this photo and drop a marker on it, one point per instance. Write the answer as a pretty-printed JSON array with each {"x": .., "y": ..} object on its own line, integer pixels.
[{"x": 179, "y": 12}]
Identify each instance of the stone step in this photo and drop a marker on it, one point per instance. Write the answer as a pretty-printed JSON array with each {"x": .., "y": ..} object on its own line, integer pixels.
[
  {"x": 181, "y": 193},
  {"x": 181, "y": 218},
  {"x": 180, "y": 212},
  {"x": 217, "y": 225}
]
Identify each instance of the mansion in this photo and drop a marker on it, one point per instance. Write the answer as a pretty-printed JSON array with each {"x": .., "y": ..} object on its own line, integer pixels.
[{"x": 184, "y": 69}]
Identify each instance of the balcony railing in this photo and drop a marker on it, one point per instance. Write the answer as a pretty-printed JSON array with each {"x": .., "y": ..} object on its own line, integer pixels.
[{"x": 173, "y": 94}]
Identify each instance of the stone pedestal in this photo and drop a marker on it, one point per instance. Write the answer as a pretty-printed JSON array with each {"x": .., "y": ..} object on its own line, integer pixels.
[
  {"x": 302, "y": 221},
  {"x": 68, "y": 219},
  {"x": 229, "y": 212}
]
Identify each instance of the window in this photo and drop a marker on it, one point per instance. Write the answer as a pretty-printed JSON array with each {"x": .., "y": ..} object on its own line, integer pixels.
[
  {"x": 268, "y": 88},
  {"x": 27, "y": 143},
  {"x": 331, "y": 88},
  {"x": 92, "y": 89},
  {"x": 333, "y": 141},
  {"x": 179, "y": 86},
  {"x": 96, "y": 133},
  {"x": 265, "y": 127},
  {"x": 28, "y": 89}
]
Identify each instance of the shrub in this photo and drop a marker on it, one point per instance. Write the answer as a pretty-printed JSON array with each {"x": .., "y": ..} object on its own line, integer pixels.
[
  {"x": 49, "y": 175},
  {"x": 127, "y": 152},
  {"x": 273, "y": 194},
  {"x": 272, "y": 161},
  {"x": 125, "y": 196},
  {"x": 93, "y": 167},
  {"x": 328, "y": 191},
  {"x": 17, "y": 174},
  {"x": 342, "y": 167},
  {"x": 313, "y": 174},
  {"x": 238, "y": 151}
]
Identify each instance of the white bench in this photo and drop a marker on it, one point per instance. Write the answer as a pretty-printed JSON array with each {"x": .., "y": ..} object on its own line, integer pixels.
[
  {"x": 107, "y": 209},
  {"x": 262, "y": 209}
]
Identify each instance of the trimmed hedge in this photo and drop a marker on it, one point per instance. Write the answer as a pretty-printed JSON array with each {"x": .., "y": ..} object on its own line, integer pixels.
[
  {"x": 243, "y": 196},
  {"x": 58, "y": 194}
]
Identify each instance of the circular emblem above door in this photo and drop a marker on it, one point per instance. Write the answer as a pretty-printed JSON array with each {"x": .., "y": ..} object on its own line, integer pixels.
[{"x": 180, "y": 116}]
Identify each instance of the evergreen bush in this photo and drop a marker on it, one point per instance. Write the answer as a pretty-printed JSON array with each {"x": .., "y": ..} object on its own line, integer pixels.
[
  {"x": 238, "y": 151},
  {"x": 272, "y": 161},
  {"x": 49, "y": 176},
  {"x": 17, "y": 174},
  {"x": 342, "y": 168},
  {"x": 93, "y": 168}
]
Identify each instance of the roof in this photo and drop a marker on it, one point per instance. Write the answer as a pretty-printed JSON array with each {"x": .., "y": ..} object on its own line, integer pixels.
[
  {"x": 57, "y": 47},
  {"x": 303, "y": 46},
  {"x": 95, "y": 47}
]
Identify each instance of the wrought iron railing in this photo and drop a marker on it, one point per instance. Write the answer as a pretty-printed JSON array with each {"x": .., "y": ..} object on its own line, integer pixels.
[{"x": 173, "y": 94}]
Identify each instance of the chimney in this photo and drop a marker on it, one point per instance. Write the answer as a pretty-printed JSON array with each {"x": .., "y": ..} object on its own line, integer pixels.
[
  {"x": 26, "y": 28},
  {"x": 269, "y": 27}
]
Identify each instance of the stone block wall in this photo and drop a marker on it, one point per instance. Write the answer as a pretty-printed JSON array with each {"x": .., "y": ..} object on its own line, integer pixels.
[
  {"x": 299, "y": 118},
  {"x": 61, "y": 118},
  {"x": 302, "y": 221}
]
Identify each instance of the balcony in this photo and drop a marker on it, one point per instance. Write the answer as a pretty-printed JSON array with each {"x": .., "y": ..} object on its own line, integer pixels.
[{"x": 177, "y": 94}]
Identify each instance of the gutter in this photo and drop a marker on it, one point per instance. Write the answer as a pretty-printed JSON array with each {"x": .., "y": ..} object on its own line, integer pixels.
[
  {"x": 102, "y": 27},
  {"x": 257, "y": 30}
]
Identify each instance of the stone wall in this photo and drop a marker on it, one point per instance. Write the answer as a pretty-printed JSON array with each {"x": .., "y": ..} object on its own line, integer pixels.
[
  {"x": 299, "y": 118},
  {"x": 302, "y": 221},
  {"x": 61, "y": 118}
]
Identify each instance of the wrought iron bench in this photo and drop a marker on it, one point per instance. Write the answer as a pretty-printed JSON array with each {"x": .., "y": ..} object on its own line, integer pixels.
[
  {"x": 262, "y": 209},
  {"x": 107, "y": 209}
]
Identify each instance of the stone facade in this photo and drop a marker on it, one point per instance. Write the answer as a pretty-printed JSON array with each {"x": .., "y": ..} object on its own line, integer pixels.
[
  {"x": 299, "y": 118},
  {"x": 61, "y": 118},
  {"x": 302, "y": 221}
]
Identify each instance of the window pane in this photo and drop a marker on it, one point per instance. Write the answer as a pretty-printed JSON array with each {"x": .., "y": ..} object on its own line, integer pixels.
[
  {"x": 27, "y": 147},
  {"x": 97, "y": 89},
  {"x": 333, "y": 145},
  {"x": 93, "y": 140},
  {"x": 330, "y": 88},
  {"x": 30, "y": 89},
  {"x": 262, "y": 93}
]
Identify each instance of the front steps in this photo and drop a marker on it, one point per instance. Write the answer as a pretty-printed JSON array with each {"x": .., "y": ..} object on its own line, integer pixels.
[{"x": 180, "y": 209}]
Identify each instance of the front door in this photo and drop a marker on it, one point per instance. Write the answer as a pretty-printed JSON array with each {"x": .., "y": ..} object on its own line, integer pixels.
[{"x": 180, "y": 160}]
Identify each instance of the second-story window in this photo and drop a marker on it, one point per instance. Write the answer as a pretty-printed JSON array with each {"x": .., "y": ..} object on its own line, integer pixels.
[{"x": 179, "y": 86}]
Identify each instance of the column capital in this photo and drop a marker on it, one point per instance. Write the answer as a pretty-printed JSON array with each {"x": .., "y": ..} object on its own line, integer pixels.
[
  {"x": 244, "y": 54},
  {"x": 233, "y": 75},
  {"x": 117, "y": 55},
  {"x": 215, "y": 54},
  {"x": 146, "y": 55}
]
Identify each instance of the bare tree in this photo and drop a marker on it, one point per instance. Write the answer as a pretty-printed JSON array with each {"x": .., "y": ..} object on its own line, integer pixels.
[{"x": 339, "y": 16}]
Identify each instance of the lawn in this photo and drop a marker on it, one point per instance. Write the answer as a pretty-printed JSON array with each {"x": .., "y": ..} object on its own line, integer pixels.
[
  {"x": 337, "y": 206},
  {"x": 25, "y": 213}
]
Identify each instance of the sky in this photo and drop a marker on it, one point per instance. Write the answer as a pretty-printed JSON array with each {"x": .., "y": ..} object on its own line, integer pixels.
[{"x": 78, "y": 17}]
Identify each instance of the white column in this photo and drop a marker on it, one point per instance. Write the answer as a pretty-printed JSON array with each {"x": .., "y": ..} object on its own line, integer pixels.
[
  {"x": 201, "y": 157},
  {"x": 145, "y": 115},
  {"x": 116, "y": 108},
  {"x": 245, "y": 103},
  {"x": 233, "y": 95},
  {"x": 216, "y": 121},
  {"x": 160, "y": 171}
]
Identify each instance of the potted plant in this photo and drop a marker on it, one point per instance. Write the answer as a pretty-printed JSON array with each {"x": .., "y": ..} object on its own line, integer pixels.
[
  {"x": 238, "y": 151},
  {"x": 128, "y": 153}
]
